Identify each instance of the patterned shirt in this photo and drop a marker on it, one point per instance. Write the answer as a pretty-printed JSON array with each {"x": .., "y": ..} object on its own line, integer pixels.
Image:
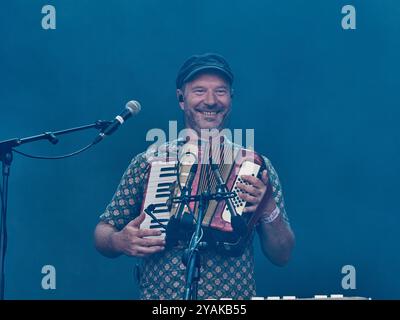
[{"x": 162, "y": 275}]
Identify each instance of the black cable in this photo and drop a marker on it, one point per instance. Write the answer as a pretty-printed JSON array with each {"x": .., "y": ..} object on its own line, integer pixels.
[{"x": 56, "y": 157}]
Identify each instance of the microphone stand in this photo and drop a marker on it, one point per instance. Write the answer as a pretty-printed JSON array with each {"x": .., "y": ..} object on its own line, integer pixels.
[
  {"x": 6, "y": 157},
  {"x": 191, "y": 256}
]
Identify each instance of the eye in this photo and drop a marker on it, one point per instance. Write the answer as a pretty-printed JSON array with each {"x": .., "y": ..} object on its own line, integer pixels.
[
  {"x": 199, "y": 91},
  {"x": 221, "y": 92}
]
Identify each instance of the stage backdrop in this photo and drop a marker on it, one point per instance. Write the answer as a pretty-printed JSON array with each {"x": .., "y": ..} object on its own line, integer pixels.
[{"x": 324, "y": 103}]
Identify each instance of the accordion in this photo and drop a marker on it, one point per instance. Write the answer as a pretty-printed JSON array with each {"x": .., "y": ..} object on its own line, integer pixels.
[{"x": 168, "y": 176}]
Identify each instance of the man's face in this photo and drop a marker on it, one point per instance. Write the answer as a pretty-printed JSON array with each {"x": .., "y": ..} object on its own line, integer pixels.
[{"x": 207, "y": 102}]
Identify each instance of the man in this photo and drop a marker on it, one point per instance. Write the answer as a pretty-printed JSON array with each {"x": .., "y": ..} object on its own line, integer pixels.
[{"x": 204, "y": 91}]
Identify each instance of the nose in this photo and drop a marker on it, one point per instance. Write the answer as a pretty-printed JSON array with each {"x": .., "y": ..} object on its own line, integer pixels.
[{"x": 210, "y": 99}]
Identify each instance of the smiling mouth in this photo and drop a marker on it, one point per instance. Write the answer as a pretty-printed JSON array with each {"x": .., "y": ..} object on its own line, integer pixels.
[{"x": 209, "y": 113}]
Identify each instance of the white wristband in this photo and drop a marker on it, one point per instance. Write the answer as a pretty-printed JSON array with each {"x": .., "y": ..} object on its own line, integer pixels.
[{"x": 270, "y": 217}]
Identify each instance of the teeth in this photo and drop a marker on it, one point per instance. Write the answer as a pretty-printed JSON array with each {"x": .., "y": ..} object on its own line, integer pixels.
[{"x": 209, "y": 113}]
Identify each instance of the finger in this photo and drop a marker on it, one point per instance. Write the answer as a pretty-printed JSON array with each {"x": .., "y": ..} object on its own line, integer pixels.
[
  {"x": 253, "y": 181},
  {"x": 148, "y": 233},
  {"x": 264, "y": 177},
  {"x": 250, "y": 189},
  {"x": 146, "y": 242},
  {"x": 248, "y": 198},
  {"x": 137, "y": 221},
  {"x": 251, "y": 208},
  {"x": 149, "y": 250}
]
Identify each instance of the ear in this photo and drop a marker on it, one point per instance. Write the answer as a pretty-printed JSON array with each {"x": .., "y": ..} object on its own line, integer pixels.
[
  {"x": 232, "y": 93},
  {"x": 181, "y": 98}
]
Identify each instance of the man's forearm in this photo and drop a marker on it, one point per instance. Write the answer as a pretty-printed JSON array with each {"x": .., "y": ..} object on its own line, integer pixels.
[
  {"x": 277, "y": 240},
  {"x": 103, "y": 240}
]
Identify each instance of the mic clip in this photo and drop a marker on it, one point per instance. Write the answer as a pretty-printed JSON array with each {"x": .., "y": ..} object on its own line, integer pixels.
[{"x": 102, "y": 124}]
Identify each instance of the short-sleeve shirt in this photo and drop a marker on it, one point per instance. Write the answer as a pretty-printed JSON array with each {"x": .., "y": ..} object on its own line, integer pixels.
[{"x": 162, "y": 275}]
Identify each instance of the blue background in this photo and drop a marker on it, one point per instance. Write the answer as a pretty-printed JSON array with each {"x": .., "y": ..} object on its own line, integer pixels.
[{"x": 323, "y": 102}]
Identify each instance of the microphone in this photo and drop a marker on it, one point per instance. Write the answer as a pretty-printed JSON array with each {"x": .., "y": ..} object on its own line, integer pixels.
[{"x": 131, "y": 108}]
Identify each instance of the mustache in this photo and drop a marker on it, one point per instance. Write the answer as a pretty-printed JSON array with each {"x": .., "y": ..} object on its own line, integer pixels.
[{"x": 210, "y": 108}]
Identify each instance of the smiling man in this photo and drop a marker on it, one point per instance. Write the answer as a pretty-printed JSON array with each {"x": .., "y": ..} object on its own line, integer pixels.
[{"x": 204, "y": 92}]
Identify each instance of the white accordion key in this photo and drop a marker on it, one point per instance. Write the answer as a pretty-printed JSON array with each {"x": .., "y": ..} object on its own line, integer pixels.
[
  {"x": 162, "y": 176},
  {"x": 247, "y": 168}
]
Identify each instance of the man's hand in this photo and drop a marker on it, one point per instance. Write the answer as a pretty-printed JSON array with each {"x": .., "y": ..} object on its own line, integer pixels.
[
  {"x": 132, "y": 241},
  {"x": 258, "y": 193},
  {"x": 277, "y": 239}
]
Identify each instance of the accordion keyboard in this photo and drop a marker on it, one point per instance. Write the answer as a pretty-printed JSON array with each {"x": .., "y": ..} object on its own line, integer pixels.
[
  {"x": 162, "y": 176},
  {"x": 247, "y": 168}
]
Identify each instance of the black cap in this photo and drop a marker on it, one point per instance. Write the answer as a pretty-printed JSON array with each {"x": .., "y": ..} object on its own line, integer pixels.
[{"x": 196, "y": 63}]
